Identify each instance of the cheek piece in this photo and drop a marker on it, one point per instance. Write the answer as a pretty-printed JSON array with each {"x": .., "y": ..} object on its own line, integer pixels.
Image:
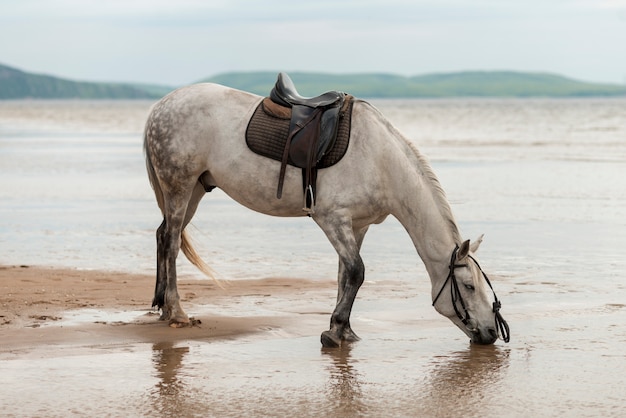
[{"x": 455, "y": 294}]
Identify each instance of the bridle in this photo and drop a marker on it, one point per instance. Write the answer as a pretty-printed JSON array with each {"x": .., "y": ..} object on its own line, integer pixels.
[{"x": 501, "y": 325}]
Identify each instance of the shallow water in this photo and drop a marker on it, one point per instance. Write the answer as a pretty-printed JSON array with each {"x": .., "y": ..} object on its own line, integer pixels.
[{"x": 543, "y": 179}]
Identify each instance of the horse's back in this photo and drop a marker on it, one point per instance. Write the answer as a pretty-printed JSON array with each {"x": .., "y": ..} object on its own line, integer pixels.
[{"x": 199, "y": 131}]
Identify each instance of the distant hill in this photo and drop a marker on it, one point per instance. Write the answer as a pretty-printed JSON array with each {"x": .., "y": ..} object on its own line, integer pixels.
[
  {"x": 461, "y": 84},
  {"x": 17, "y": 84}
]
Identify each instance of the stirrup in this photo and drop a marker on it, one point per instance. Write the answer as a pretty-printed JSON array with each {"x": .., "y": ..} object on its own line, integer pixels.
[{"x": 309, "y": 193}]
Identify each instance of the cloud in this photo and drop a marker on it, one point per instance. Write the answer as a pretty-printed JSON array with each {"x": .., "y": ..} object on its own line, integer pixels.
[{"x": 182, "y": 41}]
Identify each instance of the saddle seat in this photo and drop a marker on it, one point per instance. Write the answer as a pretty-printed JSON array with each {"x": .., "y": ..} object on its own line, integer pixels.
[
  {"x": 312, "y": 132},
  {"x": 284, "y": 93}
]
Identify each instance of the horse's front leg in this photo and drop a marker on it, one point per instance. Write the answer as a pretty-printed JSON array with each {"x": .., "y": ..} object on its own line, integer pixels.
[
  {"x": 340, "y": 328},
  {"x": 342, "y": 277},
  {"x": 351, "y": 277}
]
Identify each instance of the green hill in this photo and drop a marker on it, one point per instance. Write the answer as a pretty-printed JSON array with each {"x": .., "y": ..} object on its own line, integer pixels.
[
  {"x": 17, "y": 84},
  {"x": 461, "y": 84}
]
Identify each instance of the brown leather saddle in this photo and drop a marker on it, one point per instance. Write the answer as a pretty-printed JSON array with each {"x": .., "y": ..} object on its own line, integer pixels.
[{"x": 301, "y": 132}]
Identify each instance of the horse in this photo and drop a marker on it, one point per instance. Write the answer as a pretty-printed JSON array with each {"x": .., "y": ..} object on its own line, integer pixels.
[{"x": 194, "y": 141}]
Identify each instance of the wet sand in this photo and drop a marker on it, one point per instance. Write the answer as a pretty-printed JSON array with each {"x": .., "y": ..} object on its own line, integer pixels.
[
  {"x": 86, "y": 343},
  {"x": 60, "y": 306}
]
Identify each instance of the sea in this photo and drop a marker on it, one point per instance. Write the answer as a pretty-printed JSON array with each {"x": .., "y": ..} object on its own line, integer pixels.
[{"x": 543, "y": 179}]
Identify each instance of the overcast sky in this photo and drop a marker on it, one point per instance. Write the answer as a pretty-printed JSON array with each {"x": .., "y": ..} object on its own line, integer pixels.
[{"x": 176, "y": 42}]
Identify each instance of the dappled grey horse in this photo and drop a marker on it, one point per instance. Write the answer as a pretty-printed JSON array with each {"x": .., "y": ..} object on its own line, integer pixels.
[{"x": 195, "y": 141}]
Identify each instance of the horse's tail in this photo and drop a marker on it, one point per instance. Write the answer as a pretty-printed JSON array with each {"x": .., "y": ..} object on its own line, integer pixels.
[
  {"x": 185, "y": 245},
  {"x": 194, "y": 258}
]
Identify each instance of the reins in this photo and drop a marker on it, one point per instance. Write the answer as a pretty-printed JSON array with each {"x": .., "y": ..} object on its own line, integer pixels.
[{"x": 455, "y": 294}]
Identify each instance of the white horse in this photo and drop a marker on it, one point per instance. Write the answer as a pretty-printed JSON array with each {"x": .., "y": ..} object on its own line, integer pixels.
[{"x": 195, "y": 140}]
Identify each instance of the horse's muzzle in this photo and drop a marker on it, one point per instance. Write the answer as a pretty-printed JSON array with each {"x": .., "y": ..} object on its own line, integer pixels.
[{"x": 484, "y": 337}]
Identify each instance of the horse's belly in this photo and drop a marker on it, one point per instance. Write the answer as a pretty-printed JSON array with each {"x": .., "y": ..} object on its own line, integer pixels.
[{"x": 255, "y": 184}]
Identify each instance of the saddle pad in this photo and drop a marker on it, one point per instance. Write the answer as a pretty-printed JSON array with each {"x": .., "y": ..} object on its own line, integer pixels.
[{"x": 268, "y": 130}]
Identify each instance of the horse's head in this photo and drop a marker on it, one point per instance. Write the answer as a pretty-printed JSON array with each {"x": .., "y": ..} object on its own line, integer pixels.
[{"x": 467, "y": 298}]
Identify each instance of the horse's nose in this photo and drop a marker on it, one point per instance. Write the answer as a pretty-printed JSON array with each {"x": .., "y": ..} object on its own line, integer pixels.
[{"x": 488, "y": 336}]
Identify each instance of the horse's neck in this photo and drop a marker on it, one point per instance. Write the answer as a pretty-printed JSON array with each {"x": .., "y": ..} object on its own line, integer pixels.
[{"x": 424, "y": 212}]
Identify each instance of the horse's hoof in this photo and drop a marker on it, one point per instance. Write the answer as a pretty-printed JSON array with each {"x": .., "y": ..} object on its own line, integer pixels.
[{"x": 329, "y": 340}]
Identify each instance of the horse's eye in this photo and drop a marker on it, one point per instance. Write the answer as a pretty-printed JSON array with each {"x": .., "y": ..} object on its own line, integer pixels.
[{"x": 470, "y": 287}]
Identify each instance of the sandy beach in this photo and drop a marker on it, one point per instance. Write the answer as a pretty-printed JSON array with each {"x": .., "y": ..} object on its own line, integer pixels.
[{"x": 36, "y": 303}]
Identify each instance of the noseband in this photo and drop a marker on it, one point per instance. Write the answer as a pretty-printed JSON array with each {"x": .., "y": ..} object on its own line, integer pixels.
[{"x": 502, "y": 326}]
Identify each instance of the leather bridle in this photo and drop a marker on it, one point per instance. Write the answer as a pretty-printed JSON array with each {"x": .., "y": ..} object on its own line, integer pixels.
[{"x": 501, "y": 326}]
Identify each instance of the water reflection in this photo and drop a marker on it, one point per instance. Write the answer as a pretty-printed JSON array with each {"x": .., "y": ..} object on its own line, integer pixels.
[
  {"x": 168, "y": 395},
  {"x": 344, "y": 383},
  {"x": 465, "y": 381}
]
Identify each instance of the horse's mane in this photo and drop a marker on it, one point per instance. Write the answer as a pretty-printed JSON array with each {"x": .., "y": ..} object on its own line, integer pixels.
[
  {"x": 435, "y": 186},
  {"x": 429, "y": 176}
]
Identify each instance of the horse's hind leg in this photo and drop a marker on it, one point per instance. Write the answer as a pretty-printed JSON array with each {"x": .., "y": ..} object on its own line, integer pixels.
[
  {"x": 179, "y": 210},
  {"x": 161, "y": 274}
]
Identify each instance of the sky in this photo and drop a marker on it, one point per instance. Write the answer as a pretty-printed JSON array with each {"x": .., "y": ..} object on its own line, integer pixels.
[{"x": 177, "y": 42}]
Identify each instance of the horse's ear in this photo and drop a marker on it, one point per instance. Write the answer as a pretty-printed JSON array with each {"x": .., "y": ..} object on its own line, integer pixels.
[
  {"x": 463, "y": 250},
  {"x": 476, "y": 244}
]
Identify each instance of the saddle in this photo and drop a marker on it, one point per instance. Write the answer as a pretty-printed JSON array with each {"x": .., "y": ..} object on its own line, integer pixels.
[{"x": 312, "y": 132}]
